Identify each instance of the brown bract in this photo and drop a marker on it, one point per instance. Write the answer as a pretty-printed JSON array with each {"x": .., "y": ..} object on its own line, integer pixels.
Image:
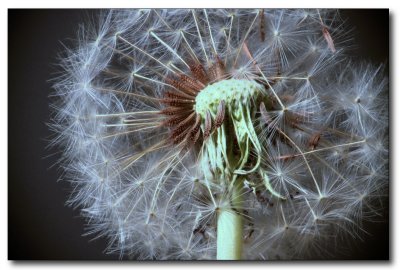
[{"x": 179, "y": 101}]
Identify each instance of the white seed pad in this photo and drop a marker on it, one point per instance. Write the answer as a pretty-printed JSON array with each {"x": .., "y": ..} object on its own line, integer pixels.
[{"x": 232, "y": 91}]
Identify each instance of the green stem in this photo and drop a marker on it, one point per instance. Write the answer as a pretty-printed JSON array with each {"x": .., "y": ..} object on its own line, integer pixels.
[{"x": 230, "y": 229}]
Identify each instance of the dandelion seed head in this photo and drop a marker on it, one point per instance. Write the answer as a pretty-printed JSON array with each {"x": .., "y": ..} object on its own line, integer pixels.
[{"x": 170, "y": 118}]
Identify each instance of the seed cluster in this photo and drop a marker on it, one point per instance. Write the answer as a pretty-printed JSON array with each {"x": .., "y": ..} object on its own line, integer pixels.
[{"x": 170, "y": 117}]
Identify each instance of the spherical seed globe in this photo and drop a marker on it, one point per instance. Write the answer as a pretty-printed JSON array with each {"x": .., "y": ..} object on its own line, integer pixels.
[{"x": 222, "y": 134}]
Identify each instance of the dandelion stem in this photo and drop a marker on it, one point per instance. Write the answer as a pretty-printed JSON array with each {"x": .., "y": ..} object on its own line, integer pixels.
[{"x": 230, "y": 228}]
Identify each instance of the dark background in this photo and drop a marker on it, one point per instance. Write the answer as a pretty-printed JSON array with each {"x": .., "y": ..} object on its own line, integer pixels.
[{"x": 40, "y": 226}]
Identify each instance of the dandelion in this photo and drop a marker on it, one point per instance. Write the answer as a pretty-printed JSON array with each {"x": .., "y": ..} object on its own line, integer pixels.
[{"x": 222, "y": 134}]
